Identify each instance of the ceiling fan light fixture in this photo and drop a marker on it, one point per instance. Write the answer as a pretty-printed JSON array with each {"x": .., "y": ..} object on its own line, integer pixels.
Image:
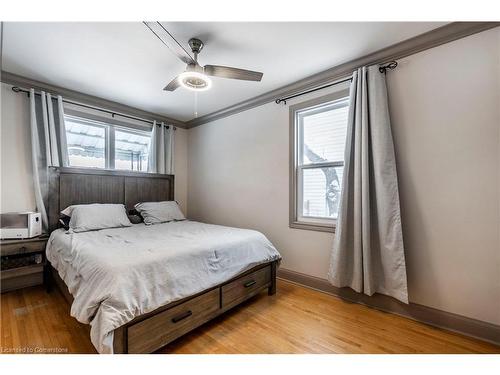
[
  {"x": 195, "y": 81},
  {"x": 195, "y": 78}
]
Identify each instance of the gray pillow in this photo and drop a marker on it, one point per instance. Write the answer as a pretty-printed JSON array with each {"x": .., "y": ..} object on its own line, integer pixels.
[
  {"x": 86, "y": 217},
  {"x": 159, "y": 212}
]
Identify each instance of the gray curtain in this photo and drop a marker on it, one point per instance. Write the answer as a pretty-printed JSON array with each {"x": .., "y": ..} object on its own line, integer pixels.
[
  {"x": 368, "y": 252},
  {"x": 161, "y": 149},
  {"x": 48, "y": 144}
]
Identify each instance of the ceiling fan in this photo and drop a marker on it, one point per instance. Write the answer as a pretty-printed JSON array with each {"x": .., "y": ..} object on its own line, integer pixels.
[{"x": 196, "y": 77}]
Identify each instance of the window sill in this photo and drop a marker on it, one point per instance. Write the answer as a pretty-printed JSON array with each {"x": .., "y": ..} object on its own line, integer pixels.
[{"x": 319, "y": 227}]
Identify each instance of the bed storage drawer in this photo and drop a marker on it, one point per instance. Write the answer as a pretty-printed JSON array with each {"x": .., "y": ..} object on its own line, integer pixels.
[
  {"x": 153, "y": 333},
  {"x": 245, "y": 287}
]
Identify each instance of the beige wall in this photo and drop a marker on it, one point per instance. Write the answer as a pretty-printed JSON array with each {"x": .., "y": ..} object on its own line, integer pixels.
[
  {"x": 238, "y": 176},
  {"x": 16, "y": 177},
  {"x": 181, "y": 168},
  {"x": 445, "y": 108}
]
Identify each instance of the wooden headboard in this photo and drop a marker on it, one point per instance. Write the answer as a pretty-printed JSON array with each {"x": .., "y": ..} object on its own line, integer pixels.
[{"x": 68, "y": 186}]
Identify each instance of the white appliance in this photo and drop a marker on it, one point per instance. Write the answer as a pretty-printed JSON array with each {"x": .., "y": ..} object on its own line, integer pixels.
[{"x": 19, "y": 225}]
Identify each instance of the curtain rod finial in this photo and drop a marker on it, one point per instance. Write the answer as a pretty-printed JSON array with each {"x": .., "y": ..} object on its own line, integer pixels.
[{"x": 390, "y": 65}]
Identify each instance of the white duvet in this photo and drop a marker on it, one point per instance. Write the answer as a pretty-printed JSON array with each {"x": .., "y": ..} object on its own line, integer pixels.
[{"x": 115, "y": 275}]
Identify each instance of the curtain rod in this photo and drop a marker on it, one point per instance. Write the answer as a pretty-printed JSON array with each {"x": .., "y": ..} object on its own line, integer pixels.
[
  {"x": 382, "y": 69},
  {"x": 113, "y": 114}
]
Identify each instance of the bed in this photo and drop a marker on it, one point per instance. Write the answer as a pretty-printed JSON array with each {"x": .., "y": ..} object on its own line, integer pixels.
[{"x": 142, "y": 287}]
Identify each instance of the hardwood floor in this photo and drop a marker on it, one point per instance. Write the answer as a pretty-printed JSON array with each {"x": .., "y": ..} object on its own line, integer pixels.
[
  {"x": 295, "y": 320},
  {"x": 34, "y": 319}
]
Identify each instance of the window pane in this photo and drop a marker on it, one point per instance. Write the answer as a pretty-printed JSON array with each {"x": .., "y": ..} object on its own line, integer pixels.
[
  {"x": 321, "y": 192},
  {"x": 324, "y": 134},
  {"x": 131, "y": 150},
  {"x": 86, "y": 144}
]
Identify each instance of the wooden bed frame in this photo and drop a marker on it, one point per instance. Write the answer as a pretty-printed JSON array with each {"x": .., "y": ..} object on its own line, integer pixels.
[{"x": 151, "y": 331}]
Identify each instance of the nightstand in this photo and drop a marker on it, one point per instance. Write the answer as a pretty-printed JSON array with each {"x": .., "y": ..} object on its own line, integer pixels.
[{"x": 22, "y": 262}]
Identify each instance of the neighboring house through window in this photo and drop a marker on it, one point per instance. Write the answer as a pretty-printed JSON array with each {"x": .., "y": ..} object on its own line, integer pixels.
[{"x": 318, "y": 133}]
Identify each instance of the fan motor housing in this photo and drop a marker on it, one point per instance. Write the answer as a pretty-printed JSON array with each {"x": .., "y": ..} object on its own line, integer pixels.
[{"x": 196, "y": 45}]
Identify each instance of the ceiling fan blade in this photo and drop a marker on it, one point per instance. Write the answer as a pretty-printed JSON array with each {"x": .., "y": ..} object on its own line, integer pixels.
[
  {"x": 233, "y": 73},
  {"x": 173, "y": 84},
  {"x": 167, "y": 39}
]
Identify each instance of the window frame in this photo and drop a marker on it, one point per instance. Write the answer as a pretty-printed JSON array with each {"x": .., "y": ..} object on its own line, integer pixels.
[
  {"x": 109, "y": 125},
  {"x": 296, "y": 219}
]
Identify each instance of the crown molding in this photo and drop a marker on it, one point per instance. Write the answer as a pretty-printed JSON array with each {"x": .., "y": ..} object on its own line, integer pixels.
[
  {"x": 430, "y": 39},
  {"x": 24, "y": 82}
]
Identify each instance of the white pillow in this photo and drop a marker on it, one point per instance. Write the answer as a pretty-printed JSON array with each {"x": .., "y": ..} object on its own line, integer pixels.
[
  {"x": 159, "y": 212},
  {"x": 86, "y": 217}
]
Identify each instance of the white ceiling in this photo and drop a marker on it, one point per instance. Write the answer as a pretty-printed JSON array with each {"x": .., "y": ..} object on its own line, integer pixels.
[{"x": 126, "y": 63}]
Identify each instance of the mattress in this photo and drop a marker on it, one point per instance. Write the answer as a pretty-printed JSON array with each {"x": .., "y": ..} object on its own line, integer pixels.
[{"x": 115, "y": 275}]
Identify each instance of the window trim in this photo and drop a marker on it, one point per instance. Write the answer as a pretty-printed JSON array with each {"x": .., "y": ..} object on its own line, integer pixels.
[
  {"x": 295, "y": 221},
  {"x": 107, "y": 120}
]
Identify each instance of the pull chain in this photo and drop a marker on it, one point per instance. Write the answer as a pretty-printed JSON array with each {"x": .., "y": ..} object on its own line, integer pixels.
[{"x": 195, "y": 105}]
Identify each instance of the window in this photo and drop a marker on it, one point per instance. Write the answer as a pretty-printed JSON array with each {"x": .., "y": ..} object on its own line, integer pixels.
[
  {"x": 95, "y": 144},
  {"x": 318, "y": 129}
]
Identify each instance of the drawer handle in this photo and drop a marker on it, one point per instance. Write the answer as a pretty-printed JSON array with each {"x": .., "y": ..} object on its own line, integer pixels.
[
  {"x": 248, "y": 284},
  {"x": 22, "y": 249},
  {"x": 178, "y": 318}
]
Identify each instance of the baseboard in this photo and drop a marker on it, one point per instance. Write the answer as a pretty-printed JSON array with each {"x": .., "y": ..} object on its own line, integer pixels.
[{"x": 453, "y": 322}]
